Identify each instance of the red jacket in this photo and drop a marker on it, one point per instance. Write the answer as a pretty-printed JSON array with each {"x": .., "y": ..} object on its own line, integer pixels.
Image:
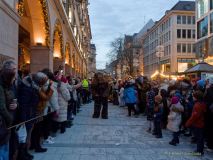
[{"x": 197, "y": 117}]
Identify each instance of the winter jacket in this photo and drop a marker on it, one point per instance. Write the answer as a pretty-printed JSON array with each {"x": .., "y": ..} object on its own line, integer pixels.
[
  {"x": 174, "y": 118},
  {"x": 52, "y": 104},
  {"x": 100, "y": 89},
  {"x": 6, "y": 96},
  {"x": 130, "y": 96},
  {"x": 63, "y": 98},
  {"x": 28, "y": 98},
  {"x": 197, "y": 117}
]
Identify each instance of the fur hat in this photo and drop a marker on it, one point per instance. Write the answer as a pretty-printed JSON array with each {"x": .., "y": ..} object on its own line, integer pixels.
[
  {"x": 40, "y": 78},
  {"x": 175, "y": 100},
  {"x": 158, "y": 99}
]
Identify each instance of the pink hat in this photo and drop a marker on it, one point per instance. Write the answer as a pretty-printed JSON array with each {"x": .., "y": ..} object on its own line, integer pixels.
[{"x": 175, "y": 100}]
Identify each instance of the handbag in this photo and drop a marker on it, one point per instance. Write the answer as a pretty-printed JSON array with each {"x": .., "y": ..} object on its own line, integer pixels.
[
  {"x": 4, "y": 132},
  {"x": 22, "y": 133}
]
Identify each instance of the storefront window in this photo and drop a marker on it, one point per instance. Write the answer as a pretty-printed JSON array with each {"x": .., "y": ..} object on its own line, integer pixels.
[
  {"x": 202, "y": 28},
  {"x": 211, "y": 22},
  {"x": 202, "y": 8},
  {"x": 211, "y": 4}
]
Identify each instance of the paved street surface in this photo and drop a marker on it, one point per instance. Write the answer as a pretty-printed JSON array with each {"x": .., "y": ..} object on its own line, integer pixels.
[{"x": 118, "y": 138}]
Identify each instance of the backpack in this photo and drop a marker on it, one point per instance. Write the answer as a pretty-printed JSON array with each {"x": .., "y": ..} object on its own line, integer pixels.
[{"x": 4, "y": 132}]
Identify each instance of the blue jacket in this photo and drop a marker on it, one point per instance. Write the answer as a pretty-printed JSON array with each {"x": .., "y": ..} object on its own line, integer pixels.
[{"x": 130, "y": 95}]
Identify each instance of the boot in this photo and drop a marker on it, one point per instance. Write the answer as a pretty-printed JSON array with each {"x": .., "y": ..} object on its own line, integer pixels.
[{"x": 22, "y": 153}]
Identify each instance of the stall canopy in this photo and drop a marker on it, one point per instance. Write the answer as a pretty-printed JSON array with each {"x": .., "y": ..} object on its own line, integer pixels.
[{"x": 200, "y": 67}]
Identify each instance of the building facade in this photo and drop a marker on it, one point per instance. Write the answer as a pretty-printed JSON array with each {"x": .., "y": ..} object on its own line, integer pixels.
[
  {"x": 168, "y": 46},
  {"x": 39, "y": 34},
  {"x": 204, "y": 26},
  {"x": 92, "y": 61}
]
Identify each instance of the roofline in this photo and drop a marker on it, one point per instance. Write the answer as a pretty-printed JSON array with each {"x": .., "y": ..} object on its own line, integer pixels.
[{"x": 164, "y": 17}]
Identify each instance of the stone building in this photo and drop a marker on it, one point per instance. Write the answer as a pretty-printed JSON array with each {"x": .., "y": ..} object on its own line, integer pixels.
[
  {"x": 39, "y": 34},
  {"x": 204, "y": 36},
  {"x": 92, "y": 61},
  {"x": 169, "y": 45}
]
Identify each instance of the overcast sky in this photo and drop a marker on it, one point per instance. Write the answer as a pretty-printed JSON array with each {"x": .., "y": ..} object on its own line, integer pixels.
[{"x": 114, "y": 18}]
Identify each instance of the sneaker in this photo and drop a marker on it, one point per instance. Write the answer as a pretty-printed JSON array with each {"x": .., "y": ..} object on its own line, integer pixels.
[
  {"x": 48, "y": 141},
  {"x": 51, "y": 138}
]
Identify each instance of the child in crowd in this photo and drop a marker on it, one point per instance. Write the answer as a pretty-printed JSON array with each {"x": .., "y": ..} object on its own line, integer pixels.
[
  {"x": 150, "y": 108},
  {"x": 158, "y": 111},
  {"x": 174, "y": 119}
]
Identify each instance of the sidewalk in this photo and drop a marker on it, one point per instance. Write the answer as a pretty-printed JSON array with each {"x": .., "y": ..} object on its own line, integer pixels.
[{"x": 117, "y": 138}]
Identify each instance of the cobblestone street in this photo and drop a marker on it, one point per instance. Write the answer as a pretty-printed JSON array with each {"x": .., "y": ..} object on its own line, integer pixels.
[{"x": 118, "y": 138}]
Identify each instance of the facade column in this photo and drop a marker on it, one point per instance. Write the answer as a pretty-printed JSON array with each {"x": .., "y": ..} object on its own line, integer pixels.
[{"x": 41, "y": 57}]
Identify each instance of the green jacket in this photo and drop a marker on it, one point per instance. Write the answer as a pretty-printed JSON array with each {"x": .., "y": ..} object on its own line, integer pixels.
[{"x": 4, "y": 107}]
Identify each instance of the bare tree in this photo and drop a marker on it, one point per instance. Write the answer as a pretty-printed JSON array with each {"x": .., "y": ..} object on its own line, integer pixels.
[{"x": 116, "y": 48}]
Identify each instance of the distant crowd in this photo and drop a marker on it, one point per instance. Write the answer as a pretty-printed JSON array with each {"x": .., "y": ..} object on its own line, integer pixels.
[{"x": 184, "y": 107}]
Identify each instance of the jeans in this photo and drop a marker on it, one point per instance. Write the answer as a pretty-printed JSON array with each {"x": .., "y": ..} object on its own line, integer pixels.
[
  {"x": 199, "y": 135},
  {"x": 4, "y": 152}
]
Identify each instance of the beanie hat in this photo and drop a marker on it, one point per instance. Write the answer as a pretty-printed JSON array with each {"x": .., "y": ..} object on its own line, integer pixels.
[
  {"x": 158, "y": 99},
  {"x": 175, "y": 100}
]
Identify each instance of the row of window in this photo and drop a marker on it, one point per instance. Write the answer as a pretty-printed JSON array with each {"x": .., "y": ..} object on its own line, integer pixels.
[
  {"x": 185, "y": 19},
  {"x": 186, "y": 33},
  {"x": 186, "y": 48}
]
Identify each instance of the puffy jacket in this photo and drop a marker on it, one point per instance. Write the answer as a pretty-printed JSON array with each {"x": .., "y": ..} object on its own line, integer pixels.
[
  {"x": 53, "y": 102},
  {"x": 63, "y": 98},
  {"x": 130, "y": 95},
  {"x": 197, "y": 117},
  {"x": 174, "y": 118}
]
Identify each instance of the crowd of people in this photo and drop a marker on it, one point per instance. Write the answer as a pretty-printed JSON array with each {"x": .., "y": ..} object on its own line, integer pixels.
[
  {"x": 34, "y": 108},
  {"x": 184, "y": 107}
]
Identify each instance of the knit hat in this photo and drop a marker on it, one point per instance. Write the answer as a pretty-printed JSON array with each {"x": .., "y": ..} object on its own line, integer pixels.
[
  {"x": 175, "y": 100},
  {"x": 158, "y": 99}
]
